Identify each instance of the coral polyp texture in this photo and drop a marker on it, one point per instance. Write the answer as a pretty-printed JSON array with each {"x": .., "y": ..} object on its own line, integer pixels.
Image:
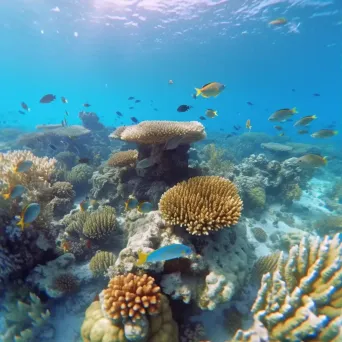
[
  {"x": 129, "y": 297},
  {"x": 202, "y": 204},
  {"x": 123, "y": 158},
  {"x": 160, "y": 132},
  {"x": 302, "y": 300},
  {"x": 100, "y": 262}
]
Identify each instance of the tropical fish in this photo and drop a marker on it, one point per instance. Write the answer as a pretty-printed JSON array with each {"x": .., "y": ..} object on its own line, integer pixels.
[
  {"x": 23, "y": 166},
  {"x": 131, "y": 98},
  {"x": 53, "y": 147},
  {"x": 14, "y": 192},
  {"x": 137, "y": 101},
  {"x": 25, "y": 106},
  {"x": 86, "y": 105},
  {"x": 313, "y": 160},
  {"x": 237, "y": 127},
  {"x": 324, "y": 133},
  {"x": 278, "y": 128},
  {"x": 248, "y": 124},
  {"x": 316, "y": 94},
  {"x": 250, "y": 103},
  {"x": 282, "y": 114},
  {"x": 134, "y": 119},
  {"x": 303, "y": 131},
  {"x": 210, "y": 89},
  {"x": 170, "y": 82},
  {"x": 183, "y": 108},
  {"x": 306, "y": 120},
  {"x": 29, "y": 214},
  {"x": 281, "y": 134},
  {"x": 21, "y": 112},
  {"x": 145, "y": 207},
  {"x": 84, "y": 204},
  {"x": 202, "y": 118},
  {"x": 169, "y": 252},
  {"x": 119, "y": 113},
  {"x": 63, "y": 99},
  {"x": 131, "y": 108},
  {"x": 66, "y": 113},
  {"x": 278, "y": 22},
  {"x": 131, "y": 203},
  {"x": 66, "y": 246},
  {"x": 211, "y": 113},
  {"x": 47, "y": 98}
]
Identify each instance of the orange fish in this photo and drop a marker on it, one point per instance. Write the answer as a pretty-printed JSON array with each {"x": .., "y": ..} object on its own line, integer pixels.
[
  {"x": 66, "y": 246},
  {"x": 248, "y": 124}
]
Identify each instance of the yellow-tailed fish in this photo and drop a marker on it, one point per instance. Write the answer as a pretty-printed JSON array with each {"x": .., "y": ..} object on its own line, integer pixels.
[
  {"x": 169, "y": 252},
  {"x": 131, "y": 203},
  {"x": 28, "y": 215},
  {"x": 145, "y": 207},
  {"x": 248, "y": 124},
  {"x": 84, "y": 205},
  {"x": 23, "y": 166},
  {"x": 210, "y": 89},
  {"x": 306, "y": 120},
  {"x": 281, "y": 134},
  {"x": 14, "y": 192},
  {"x": 278, "y": 22},
  {"x": 282, "y": 114},
  {"x": 324, "y": 133},
  {"x": 313, "y": 160},
  {"x": 211, "y": 113}
]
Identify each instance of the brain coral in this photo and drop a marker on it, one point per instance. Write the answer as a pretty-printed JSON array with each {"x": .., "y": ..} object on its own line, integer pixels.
[
  {"x": 100, "y": 223},
  {"x": 202, "y": 204},
  {"x": 159, "y": 132},
  {"x": 302, "y": 300},
  {"x": 123, "y": 158},
  {"x": 131, "y": 297},
  {"x": 100, "y": 262},
  {"x": 80, "y": 174}
]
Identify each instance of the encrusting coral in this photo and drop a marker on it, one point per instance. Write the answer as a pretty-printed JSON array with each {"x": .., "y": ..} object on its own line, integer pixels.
[
  {"x": 100, "y": 262},
  {"x": 302, "y": 300},
  {"x": 123, "y": 158},
  {"x": 202, "y": 204}
]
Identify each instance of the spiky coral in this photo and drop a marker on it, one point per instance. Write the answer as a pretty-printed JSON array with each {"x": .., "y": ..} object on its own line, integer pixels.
[
  {"x": 303, "y": 298},
  {"x": 100, "y": 262},
  {"x": 65, "y": 283},
  {"x": 202, "y": 204},
  {"x": 123, "y": 158}
]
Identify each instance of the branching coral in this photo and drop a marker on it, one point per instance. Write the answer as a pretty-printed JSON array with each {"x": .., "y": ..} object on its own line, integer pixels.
[
  {"x": 216, "y": 162},
  {"x": 100, "y": 262},
  {"x": 100, "y": 223},
  {"x": 202, "y": 204},
  {"x": 302, "y": 300},
  {"x": 129, "y": 297},
  {"x": 123, "y": 158}
]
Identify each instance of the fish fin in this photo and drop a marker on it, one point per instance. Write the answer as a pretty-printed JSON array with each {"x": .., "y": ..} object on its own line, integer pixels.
[
  {"x": 294, "y": 110},
  {"x": 21, "y": 224},
  {"x": 198, "y": 92},
  {"x": 205, "y": 96},
  {"x": 142, "y": 257},
  {"x": 325, "y": 160}
]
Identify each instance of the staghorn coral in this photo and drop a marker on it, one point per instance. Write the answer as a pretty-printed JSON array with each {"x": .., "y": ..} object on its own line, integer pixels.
[
  {"x": 202, "y": 204},
  {"x": 123, "y": 158},
  {"x": 160, "y": 132},
  {"x": 130, "y": 297},
  {"x": 160, "y": 328},
  {"x": 259, "y": 234},
  {"x": 100, "y": 223},
  {"x": 302, "y": 300},
  {"x": 65, "y": 283},
  {"x": 100, "y": 262},
  {"x": 24, "y": 318}
]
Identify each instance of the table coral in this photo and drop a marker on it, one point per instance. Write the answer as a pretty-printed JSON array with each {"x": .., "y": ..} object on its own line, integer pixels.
[
  {"x": 302, "y": 300},
  {"x": 202, "y": 204}
]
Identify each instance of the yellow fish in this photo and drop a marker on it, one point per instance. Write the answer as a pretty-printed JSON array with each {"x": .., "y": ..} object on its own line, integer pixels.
[
  {"x": 28, "y": 215},
  {"x": 211, "y": 89},
  {"x": 248, "y": 124},
  {"x": 324, "y": 133},
  {"x": 211, "y": 113},
  {"x": 313, "y": 160}
]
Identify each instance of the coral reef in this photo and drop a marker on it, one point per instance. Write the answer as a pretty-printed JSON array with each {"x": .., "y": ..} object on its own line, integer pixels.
[
  {"x": 259, "y": 234},
  {"x": 123, "y": 158},
  {"x": 67, "y": 158},
  {"x": 79, "y": 177},
  {"x": 265, "y": 264},
  {"x": 91, "y": 121},
  {"x": 302, "y": 299},
  {"x": 65, "y": 283},
  {"x": 100, "y": 262},
  {"x": 202, "y": 204},
  {"x": 328, "y": 225}
]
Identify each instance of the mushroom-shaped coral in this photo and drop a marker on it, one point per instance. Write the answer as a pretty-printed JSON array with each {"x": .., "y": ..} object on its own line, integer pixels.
[
  {"x": 302, "y": 300},
  {"x": 100, "y": 223},
  {"x": 160, "y": 132},
  {"x": 100, "y": 262},
  {"x": 123, "y": 158},
  {"x": 130, "y": 297},
  {"x": 202, "y": 204}
]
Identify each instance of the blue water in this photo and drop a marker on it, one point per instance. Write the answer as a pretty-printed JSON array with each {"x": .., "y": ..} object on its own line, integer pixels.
[{"x": 101, "y": 52}]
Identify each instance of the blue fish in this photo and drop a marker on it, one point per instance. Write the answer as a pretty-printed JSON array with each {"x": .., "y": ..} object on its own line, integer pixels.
[
  {"x": 23, "y": 166},
  {"x": 14, "y": 192},
  {"x": 131, "y": 203},
  {"x": 169, "y": 252},
  {"x": 29, "y": 214},
  {"x": 145, "y": 207}
]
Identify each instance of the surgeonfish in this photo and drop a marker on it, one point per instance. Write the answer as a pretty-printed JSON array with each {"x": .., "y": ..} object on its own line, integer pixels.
[
  {"x": 131, "y": 203},
  {"x": 282, "y": 114},
  {"x": 47, "y": 98},
  {"x": 313, "y": 160},
  {"x": 23, "y": 166},
  {"x": 210, "y": 89},
  {"x": 29, "y": 214},
  {"x": 324, "y": 133},
  {"x": 14, "y": 192},
  {"x": 169, "y": 252},
  {"x": 25, "y": 106},
  {"x": 211, "y": 113},
  {"x": 306, "y": 120}
]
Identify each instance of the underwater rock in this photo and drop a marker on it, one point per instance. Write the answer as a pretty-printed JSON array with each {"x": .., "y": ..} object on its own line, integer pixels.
[{"x": 91, "y": 121}]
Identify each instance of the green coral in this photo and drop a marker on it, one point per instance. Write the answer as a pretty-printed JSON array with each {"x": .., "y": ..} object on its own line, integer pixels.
[
  {"x": 23, "y": 318},
  {"x": 329, "y": 225},
  {"x": 216, "y": 161},
  {"x": 100, "y": 262},
  {"x": 256, "y": 198},
  {"x": 100, "y": 223},
  {"x": 75, "y": 223},
  {"x": 291, "y": 192},
  {"x": 80, "y": 175}
]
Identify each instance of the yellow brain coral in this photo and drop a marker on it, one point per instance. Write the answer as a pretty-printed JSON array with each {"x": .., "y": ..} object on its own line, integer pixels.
[
  {"x": 202, "y": 204},
  {"x": 131, "y": 297},
  {"x": 123, "y": 158},
  {"x": 302, "y": 300},
  {"x": 160, "y": 132}
]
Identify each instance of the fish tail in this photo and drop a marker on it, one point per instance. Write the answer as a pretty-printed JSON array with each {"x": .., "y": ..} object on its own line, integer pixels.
[
  {"x": 21, "y": 224},
  {"x": 314, "y": 116},
  {"x": 294, "y": 110},
  {"x": 15, "y": 169},
  {"x": 335, "y": 132},
  {"x": 6, "y": 196},
  {"x": 215, "y": 112},
  {"x": 325, "y": 160},
  {"x": 198, "y": 92},
  {"x": 142, "y": 257}
]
